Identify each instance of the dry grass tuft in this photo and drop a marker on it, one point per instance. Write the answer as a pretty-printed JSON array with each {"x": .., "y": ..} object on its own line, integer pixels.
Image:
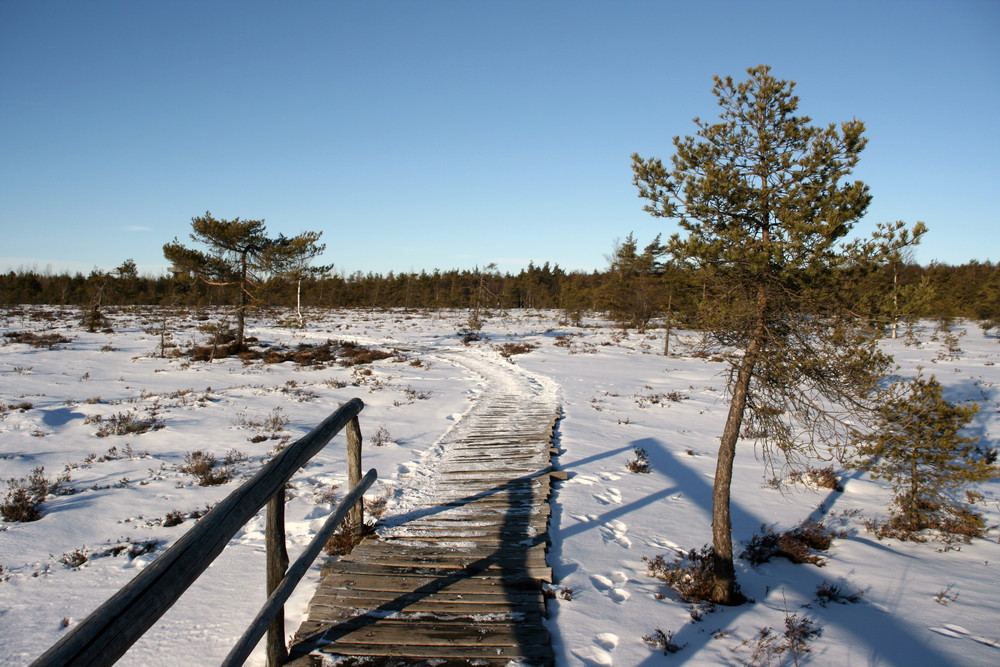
[{"x": 798, "y": 545}]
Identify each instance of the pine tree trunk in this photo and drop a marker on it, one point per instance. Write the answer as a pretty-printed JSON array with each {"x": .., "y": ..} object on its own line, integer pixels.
[
  {"x": 895, "y": 301},
  {"x": 725, "y": 591},
  {"x": 241, "y": 310},
  {"x": 298, "y": 302},
  {"x": 666, "y": 338}
]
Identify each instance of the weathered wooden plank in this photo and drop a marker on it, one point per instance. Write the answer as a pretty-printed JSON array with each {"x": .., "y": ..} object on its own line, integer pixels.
[
  {"x": 513, "y": 501},
  {"x": 528, "y": 607},
  {"x": 433, "y": 634},
  {"x": 329, "y": 607},
  {"x": 403, "y": 565},
  {"x": 459, "y": 515},
  {"x": 453, "y": 516},
  {"x": 421, "y": 584},
  {"x": 414, "y": 661},
  {"x": 443, "y": 602},
  {"x": 443, "y": 549},
  {"x": 518, "y": 592},
  {"x": 394, "y": 614},
  {"x": 511, "y": 570},
  {"x": 501, "y": 655},
  {"x": 492, "y": 535},
  {"x": 493, "y": 480},
  {"x": 520, "y": 522}
]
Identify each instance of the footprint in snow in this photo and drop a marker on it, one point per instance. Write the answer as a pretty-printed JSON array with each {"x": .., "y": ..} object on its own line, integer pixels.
[
  {"x": 619, "y": 595},
  {"x": 661, "y": 543},
  {"x": 613, "y": 586},
  {"x": 606, "y": 640},
  {"x": 594, "y": 657},
  {"x": 957, "y": 631},
  {"x": 614, "y": 531},
  {"x": 609, "y": 476},
  {"x": 584, "y": 479},
  {"x": 611, "y": 495}
]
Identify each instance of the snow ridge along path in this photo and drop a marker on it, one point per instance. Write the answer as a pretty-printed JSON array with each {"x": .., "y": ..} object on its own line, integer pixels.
[{"x": 457, "y": 577}]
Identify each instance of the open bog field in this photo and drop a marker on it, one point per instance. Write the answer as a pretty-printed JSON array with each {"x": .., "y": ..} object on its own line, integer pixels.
[{"x": 136, "y": 429}]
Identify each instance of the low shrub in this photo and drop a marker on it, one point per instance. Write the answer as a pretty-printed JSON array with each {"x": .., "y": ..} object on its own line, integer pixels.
[
  {"x": 508, "y": 350},
  {"x": 824, "y": 478},
  {"x": 768, "y": 646},
  {"x": 640, "y": 464},
  {"x": 381, "y": 437},
  {"x": 662, "y": 640},
  {"x": 24, "y": 497},
  {"x": 173, "y": 518},
  {"x": 127, "y": 423},
  {"x": 74, "y": 559},
  {"x": 19, "y": 505},
  {"x": 132, "y": 549},
  {"x": 94, "y": 320},
  {"x": 689, "y": 575},
  {"x": 956, "y": 525},
  {"x": 839, "y": 593},
  {"x": 352, "y": 354},
  {"x": 50, "y": 341},
  {"x": 798, "y": 545},
  {"x": 203, "y": 466},
  {"x": 343, "y": 540}
]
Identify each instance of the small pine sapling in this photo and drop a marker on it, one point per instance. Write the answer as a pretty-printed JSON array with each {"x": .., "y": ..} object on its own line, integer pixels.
[
  {"x": 920, "y": 452},
  {"x": 640, "y": 464}
]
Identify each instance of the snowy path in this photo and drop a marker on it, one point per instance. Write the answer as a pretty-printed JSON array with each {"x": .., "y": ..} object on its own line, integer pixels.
[{"x": 457, "y": 575}]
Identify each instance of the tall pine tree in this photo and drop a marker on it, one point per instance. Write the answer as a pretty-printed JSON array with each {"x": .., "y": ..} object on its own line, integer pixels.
[
  {"x": 762, "y": 197},
  {"x": 241, "y": 254}
]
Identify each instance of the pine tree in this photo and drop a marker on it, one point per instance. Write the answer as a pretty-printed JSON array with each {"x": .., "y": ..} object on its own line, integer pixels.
[
  {"x": 762, "y": 198},
  {"x": 291, "y": 259},
  {"x": 895, "y": 243},
  {"x": 920, "y": 452},
  {"x": 633, "y": 291},
  {"x": 240, "y": 253}
]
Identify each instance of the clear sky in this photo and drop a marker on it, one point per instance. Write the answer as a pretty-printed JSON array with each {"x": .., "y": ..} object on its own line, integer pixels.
[{"x": 450, "y": 134}]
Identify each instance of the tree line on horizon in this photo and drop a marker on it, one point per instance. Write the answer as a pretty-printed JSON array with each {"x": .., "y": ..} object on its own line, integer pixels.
[{"x": 634, "y": 290}]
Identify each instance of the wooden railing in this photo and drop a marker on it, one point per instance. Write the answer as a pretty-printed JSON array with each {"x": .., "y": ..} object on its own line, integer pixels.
[{"x": 107, "y": 633}]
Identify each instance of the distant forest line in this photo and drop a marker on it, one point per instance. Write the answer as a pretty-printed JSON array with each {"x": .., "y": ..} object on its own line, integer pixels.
[{"x": 970, "y": 290}]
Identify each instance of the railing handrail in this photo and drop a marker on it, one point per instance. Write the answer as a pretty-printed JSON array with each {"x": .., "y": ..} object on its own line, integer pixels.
[
  {"x": 239, "y": 653},
  {"x": 111, "y": 629}
]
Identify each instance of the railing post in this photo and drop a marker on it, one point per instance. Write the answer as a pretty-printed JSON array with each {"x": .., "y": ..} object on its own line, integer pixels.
[
  {"x": 357, "y": 515},
  {"x": 277, "y": 564},
  {"x": 110, "y": 630}
]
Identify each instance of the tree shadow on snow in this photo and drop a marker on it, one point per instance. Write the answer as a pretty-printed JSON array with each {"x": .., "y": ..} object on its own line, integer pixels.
[{"x": 878, "y": 635}]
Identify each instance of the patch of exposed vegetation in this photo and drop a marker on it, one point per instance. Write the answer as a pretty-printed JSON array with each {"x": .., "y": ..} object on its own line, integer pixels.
[
  {"x": 46, "y": 340},
  {"x": 799, "y": 544}
]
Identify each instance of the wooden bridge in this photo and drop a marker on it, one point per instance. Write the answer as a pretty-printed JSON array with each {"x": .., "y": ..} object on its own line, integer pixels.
[{"x": 458, "y": 580}]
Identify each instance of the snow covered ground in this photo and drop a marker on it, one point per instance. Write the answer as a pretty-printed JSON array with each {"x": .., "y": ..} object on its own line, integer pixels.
[{"x": 918, "y": 605}]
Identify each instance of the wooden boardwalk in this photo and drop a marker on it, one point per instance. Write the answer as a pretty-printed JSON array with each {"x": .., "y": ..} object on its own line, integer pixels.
[{"x": 458, "y": 580}]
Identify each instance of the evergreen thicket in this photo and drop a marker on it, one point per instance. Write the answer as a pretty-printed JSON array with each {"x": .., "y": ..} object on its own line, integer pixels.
[{"x": 970, "y": 291}]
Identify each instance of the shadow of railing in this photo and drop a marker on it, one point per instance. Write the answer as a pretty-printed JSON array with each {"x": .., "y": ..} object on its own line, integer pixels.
[{"x": 510, "y": 561}]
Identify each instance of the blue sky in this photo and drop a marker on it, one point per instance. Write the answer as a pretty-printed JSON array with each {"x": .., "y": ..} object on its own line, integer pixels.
[{"x": 450, "y": 134}]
